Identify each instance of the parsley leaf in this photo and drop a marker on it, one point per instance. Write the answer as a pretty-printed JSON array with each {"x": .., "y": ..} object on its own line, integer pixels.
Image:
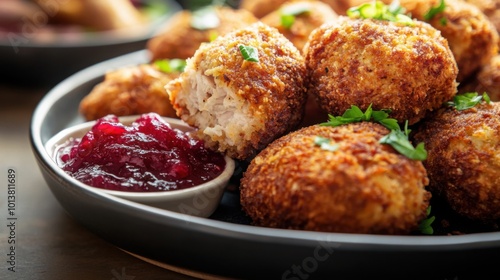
[
  {"x": 378, "y": 10},
  {"x": 325, "y": 144},
  {"x": 468, "y": 100},
  {"x": 249, "y": 53},
  {"x": 425, "y": 225},
  {"x": 170, "y": 65},
  {"x": 433, "y": 11}
]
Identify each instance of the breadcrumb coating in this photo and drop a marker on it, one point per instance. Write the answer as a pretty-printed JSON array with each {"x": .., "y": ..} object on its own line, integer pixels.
[
  {"x": 362, "y": 187},
  {"x": 240, "y": 106},
  {"x": 463, "y": 160},
  {"x": 409, "y": 70},
  {"x": 472, "y": 37},
  {"x": 129, "y": 90}
]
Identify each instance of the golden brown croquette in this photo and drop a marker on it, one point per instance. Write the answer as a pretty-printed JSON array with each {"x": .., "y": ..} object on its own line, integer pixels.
[
  {"x": 361, "y": 187},
  {"x": 409, "y": 70},
  {"x": 240, "y": 106}
]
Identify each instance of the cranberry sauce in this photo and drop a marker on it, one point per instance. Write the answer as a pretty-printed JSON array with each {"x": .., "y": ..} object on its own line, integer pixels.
[{"x": 147, "y": 156}]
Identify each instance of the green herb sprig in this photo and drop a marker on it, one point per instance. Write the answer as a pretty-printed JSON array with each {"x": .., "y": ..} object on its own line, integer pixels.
[
  {"x": 397, "y": 138},
  {"x": 170, "y": 65},
  {"x": 289, "y": 12},
  {"x": 425, "y": 225},
  {"x": 433, "y": 11},
  {"x": 249, "y": 53},
  {"x": 468, "y": 100},
  {"x": 378, "y": 10}
]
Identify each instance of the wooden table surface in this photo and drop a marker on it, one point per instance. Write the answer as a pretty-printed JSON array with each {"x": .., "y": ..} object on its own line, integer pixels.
[{"x": 49, "y": 244}]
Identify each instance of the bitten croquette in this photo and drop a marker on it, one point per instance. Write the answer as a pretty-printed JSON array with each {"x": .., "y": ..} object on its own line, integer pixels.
[
  {"x": 240, "y": 106},
  {"x": 128, "y": 91},
  {"x": 361, "y": 187},
  {"x": 409, "y": 70}
]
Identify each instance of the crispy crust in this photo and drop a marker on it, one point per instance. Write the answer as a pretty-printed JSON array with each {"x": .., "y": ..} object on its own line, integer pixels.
[
  {"x": 179, "y": 40},
  {"x": 463, "y": 160},
  {"x": 363, "y": 187},
  {"x": 129, "y": 91},
  {"x": 255, "y": 103},
  {"x": 407, "y": 69},
  {"x": 472, "y": 37}
]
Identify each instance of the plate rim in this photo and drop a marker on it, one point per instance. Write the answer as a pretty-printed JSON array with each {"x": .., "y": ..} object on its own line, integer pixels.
[{"x": 347, "y": 240}]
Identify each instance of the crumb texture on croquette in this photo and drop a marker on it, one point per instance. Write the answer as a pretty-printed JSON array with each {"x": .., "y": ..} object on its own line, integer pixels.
[
  {"x": 463, "y": 160},
  {"x": 409, "y": 70},
  {"x": 129, "y": 90},
  {"x": 240, "y": 106},
  {"x": 473, "y": 39},
  {"x": 362, "y": 187}
]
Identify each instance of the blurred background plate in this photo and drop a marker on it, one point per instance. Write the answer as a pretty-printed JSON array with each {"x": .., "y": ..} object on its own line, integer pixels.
[{"x": 34, "y": 51}]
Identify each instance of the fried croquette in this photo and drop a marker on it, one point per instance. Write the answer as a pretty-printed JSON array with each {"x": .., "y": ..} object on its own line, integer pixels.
[
  {"x": 240, "y": 106},
  {"x": 311, "y": 15},
  {"x": 472, "y": 38},
  {"x": 179, "y": 39},
  {"x": 409, "y": 70},
  {"x": 362, "y": 186},
  {"x": 129, "y": 91},
  {"x": 486, "y": 80},
  {"x": 463, "y": 162}
]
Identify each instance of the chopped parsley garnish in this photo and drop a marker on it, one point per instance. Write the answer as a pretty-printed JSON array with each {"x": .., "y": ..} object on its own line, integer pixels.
[
  {"x": 289, "y": 12},
  {"x": 397, "y": 138},
  {"x": 249, "y": 53},
  {"x": 205, "y": 18},
  {"x": 325, "y": 144},
  {"x": 378, "y": 10},
  {"x": 425, "y": 225},
  {"x": 354, "y": 114},
  {"x": 433, "y": 11},
  {"x": 468, "y": 100},
  {"x": 171, "y": 65}
]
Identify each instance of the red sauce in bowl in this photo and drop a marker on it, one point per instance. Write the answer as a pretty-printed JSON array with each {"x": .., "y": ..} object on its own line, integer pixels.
[{"x": 146, "y": 156}]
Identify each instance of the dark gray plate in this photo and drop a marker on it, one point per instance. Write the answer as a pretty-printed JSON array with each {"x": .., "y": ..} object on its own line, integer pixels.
[{"x": 225, "y": 244}]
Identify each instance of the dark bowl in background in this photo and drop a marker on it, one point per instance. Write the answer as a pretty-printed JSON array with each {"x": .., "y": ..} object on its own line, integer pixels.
[{"x": 26, "y": 62}]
